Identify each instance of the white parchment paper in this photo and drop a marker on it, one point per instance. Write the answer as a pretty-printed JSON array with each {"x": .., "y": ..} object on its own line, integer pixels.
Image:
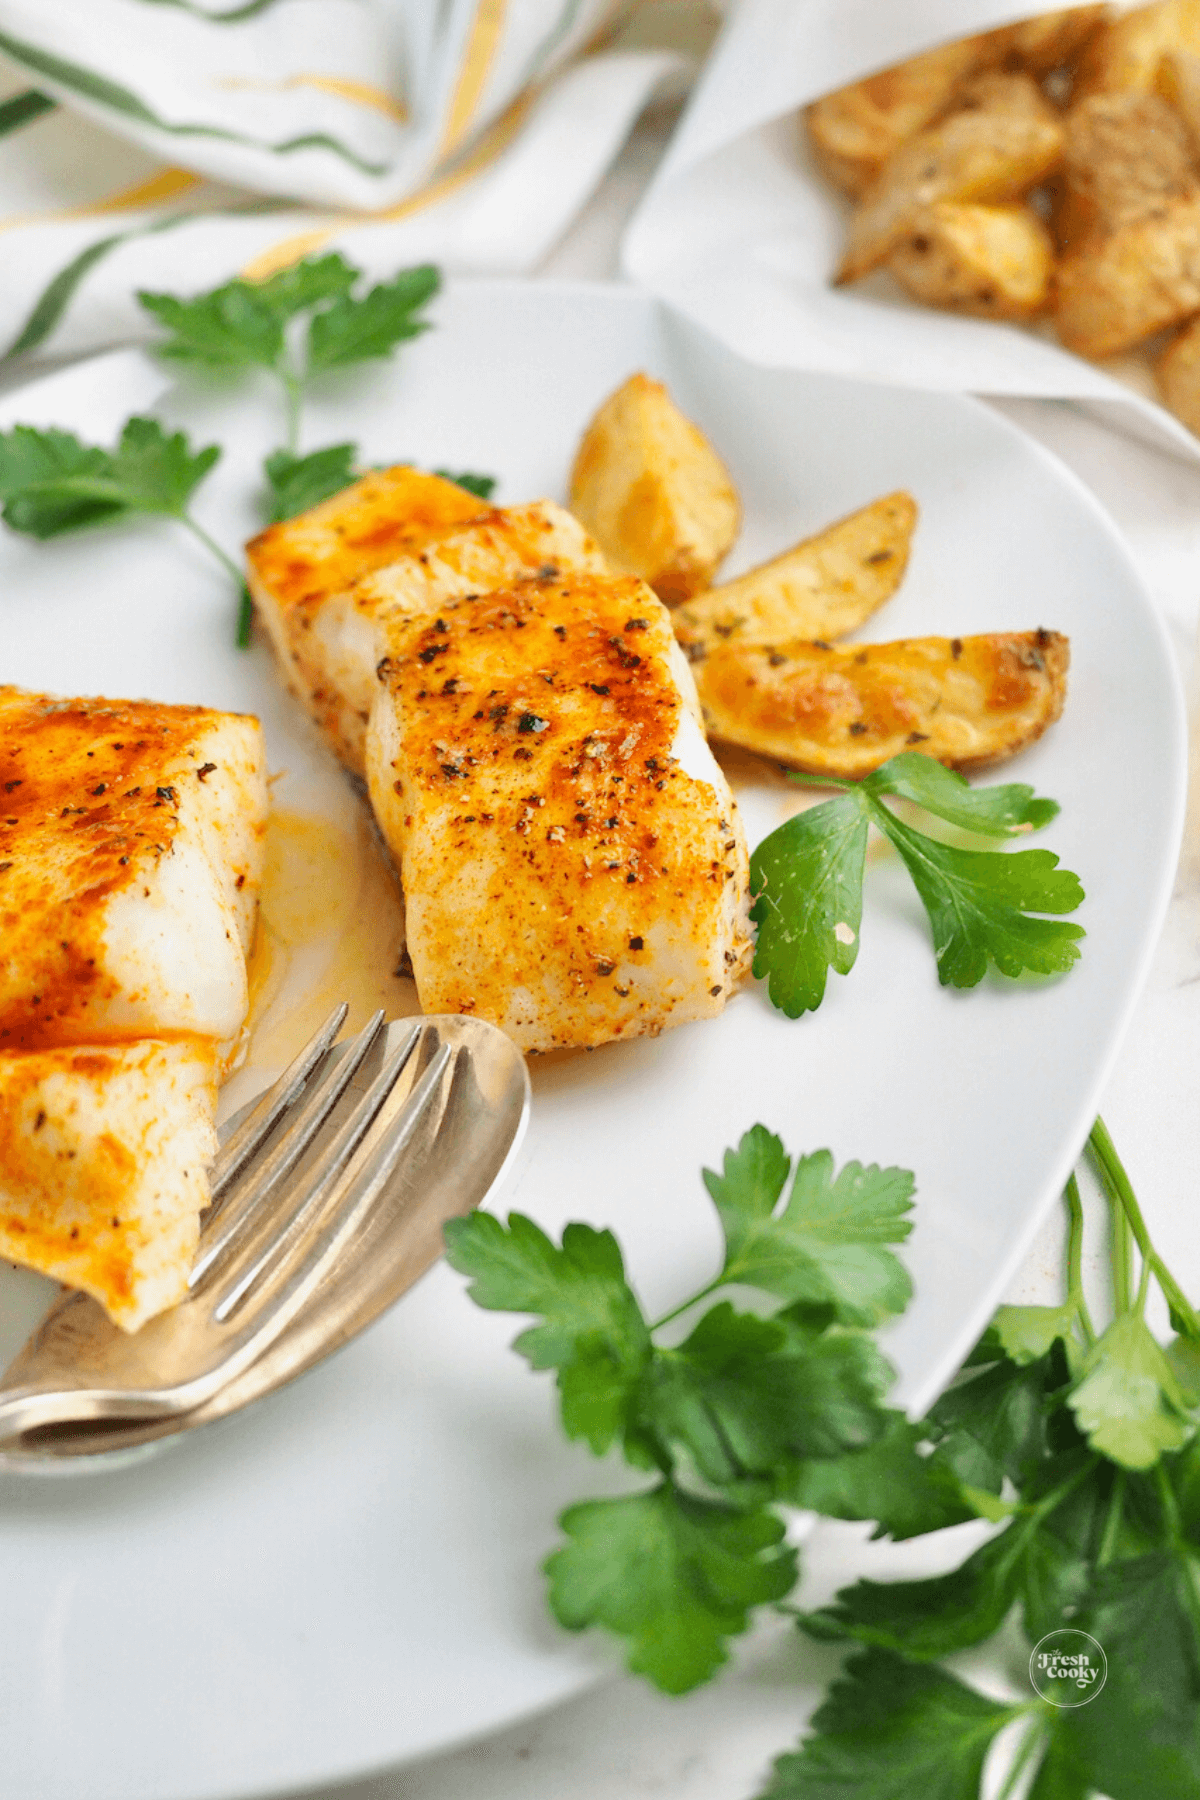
[{"x": 741, "y": 231}]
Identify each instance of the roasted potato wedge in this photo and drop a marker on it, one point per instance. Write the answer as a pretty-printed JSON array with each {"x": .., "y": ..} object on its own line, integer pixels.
[
  {"x": 1178, "y": 84},
  {"x": 1124, "y": 55},
  {"x": 1120, "y": 289},
  {"x": 653, "y": 492},
  {"x": 854, "y": 131},
  {"x": 995, "y": 262},
  {"x": 1125, "y": 155},
  {"x": 824, "y": 587},
  {"x": 1178, "y": 374},
  {"x": 1003, "y": 140},
  {"x": 843, "y": 712},
  {"x": 1132, "y": 263},
  {"x": 1054, "y": 39}
]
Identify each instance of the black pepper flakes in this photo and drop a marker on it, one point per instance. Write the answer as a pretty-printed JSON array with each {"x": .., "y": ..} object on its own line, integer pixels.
[
  {"x": 530, "y": 721},
  {"x": 430, "y": 651},
  {"x": 204, "y": 771},
  {"x": 637, "y": 943}
]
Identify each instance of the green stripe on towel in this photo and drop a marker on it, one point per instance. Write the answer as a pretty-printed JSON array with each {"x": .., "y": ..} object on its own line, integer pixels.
[
  {"x": 91, "y": 86},
  {"x": 23, "y": 109}
]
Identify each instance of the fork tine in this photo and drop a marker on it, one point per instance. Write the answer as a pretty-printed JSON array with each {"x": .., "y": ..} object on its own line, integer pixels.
[
  {"x": 355, "y": 1191},
  {"x": 269, "y": 1229},
  {"x": 240, "y": 1147},
  {"x": 260, "y": 1177}
]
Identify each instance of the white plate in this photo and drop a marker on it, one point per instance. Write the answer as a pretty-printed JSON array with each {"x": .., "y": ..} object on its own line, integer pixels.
[{"x": 346, "y": 1576}]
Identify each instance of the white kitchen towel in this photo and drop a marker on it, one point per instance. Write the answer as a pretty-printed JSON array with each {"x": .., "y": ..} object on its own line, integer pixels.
[
  {"x": 174, "y": 143},
  {"x": 741, "y": 231}
]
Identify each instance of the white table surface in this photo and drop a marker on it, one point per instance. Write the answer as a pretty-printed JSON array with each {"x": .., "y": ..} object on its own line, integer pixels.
[{"x": 623, "y": 1741}]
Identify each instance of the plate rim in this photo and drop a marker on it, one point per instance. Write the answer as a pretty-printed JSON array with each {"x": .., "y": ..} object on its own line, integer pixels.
[{"x": 629, "y": 297}]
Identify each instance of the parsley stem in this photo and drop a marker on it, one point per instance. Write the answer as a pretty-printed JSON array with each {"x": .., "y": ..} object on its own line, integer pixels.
[
  {"x": 1170, "y": 1507},
  {"x": 1111, "y": 1176},
  {"x": 1075, "y": 1294},
  {"x": 1054, "y": 1499},
  {"x": 1032, "y": 1741},
  {"x": 293, "y": 388},
  {"x": 1112, "y": 1524},
  {"x": 687, "y": 1304},
  {"x": 1117, "y": 1185},
  {"x": 245, "y": 608}
]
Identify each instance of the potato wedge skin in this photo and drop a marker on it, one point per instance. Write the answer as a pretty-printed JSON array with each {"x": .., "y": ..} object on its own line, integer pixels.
[
  {"x": 843, "y": 712},
  {"x": 1005, "y": 139},
  {"x": 1178, "y": 373},
  {"x": 653, "y": 492},
  {"x": 824, "y": 587},
  {"x": 992, "y": 262},
  {"x": 1123, "y": 57}
]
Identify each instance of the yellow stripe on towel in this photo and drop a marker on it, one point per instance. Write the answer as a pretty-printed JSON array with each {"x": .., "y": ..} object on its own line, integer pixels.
[
  {"x": 165, "y": 185},
  {"x": 490, "y": 146},
  {"x": 358, "y": 93},
  {"x": 482, "y": 43}
]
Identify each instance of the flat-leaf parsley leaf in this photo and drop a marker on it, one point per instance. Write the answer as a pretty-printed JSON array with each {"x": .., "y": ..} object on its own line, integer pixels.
[
  {"x": 982, "y": 905},
  {"x": 828, "y": 1243}
]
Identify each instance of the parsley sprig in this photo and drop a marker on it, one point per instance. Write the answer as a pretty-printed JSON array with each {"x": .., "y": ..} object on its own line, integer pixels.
[
  {"x": 301, "y": 323},
  {"x": 728, "y": 1418},
  {"x": 1080, "y": 1445},
  {"x": 50, "y": 482},
  {"x": 983, "y": 905}
]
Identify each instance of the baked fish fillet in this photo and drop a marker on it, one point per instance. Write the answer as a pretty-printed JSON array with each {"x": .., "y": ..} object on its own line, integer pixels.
[
  {"x": 131, "y": 847},
  {"x": 573, "y": 863},
  {"x": 103, "y": 1158},
  {"x": 295, "y": 567},
  {"x": 333, "y": 636},
  {"x": 131, "y": 851}
]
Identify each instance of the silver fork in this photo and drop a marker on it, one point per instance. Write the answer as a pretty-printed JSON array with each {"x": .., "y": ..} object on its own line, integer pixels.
[{"x": 328, "y": 1200}]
